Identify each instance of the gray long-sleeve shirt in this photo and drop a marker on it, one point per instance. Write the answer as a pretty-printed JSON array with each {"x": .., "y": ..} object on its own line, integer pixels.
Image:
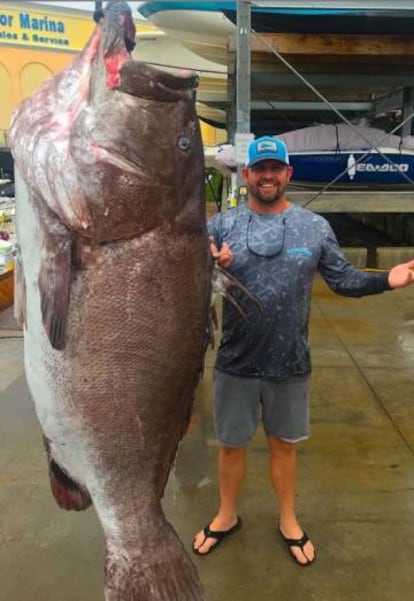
[{"x": 275, "y": 258}]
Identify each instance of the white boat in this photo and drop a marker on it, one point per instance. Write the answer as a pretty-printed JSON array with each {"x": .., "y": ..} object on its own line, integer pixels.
[
  {"x": 161, "y": 50},
  {"x": 200, "y": 26}
]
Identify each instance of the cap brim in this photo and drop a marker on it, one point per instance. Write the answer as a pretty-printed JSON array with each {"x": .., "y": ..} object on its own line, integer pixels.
[{"x": 266, "y": 158}]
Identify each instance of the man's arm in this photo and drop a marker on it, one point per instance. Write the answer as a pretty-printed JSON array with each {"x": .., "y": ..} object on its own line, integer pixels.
[{"x": 346, "y": 280}]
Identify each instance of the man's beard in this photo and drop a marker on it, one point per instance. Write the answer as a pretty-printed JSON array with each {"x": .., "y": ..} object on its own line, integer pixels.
[{"x": 268, "y": 200}]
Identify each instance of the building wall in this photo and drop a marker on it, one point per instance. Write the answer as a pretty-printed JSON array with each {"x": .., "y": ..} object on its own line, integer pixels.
[
  {"x": 35, "y": 43},
  {"x": 38, "y": 41}
]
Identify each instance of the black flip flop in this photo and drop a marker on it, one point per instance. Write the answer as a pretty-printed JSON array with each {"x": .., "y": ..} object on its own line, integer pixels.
[
  {"x": 219, "y": 535},
  {"x": 300, "y": 543}
]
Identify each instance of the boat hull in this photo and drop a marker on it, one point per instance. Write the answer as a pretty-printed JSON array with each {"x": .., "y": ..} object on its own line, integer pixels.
[
  {"x": 353, "y": 168},
  {"x": 204, "y": 27},
  {"x": 321, "y": 21}
]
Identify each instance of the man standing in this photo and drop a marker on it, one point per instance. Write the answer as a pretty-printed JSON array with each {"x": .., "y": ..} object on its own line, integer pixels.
[{"x": 273, "y": 248}]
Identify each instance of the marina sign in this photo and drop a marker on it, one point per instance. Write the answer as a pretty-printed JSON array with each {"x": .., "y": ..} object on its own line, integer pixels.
[{"x": 43, "y": 29}]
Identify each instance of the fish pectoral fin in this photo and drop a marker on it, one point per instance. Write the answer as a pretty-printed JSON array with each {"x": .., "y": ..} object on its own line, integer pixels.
[
  {"x": 68, "y": 494},
  {"x": 54, "y": 287},
  {"x": 223, "y": 283},
  {"x": 212, "y": 326},
  {"x": 19, "y": 291}
]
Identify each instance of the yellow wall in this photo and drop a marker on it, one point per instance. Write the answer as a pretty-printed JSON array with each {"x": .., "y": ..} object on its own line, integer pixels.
[
  {"x": 212, "y": 136},
  {"x": 30, "y": 52},
  {"x": 21, "y": 72},
  {"x": 29, "y": 25}
]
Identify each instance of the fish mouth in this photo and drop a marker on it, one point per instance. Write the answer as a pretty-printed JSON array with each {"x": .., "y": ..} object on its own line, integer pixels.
[
  {"x": 144, "y": 81},
  {"x": 133, "y": 76},
  {"x": 117, "y": 26}
]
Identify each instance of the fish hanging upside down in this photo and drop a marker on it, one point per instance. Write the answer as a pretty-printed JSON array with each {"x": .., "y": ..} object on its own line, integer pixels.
[{"x": 112, "y": 285}]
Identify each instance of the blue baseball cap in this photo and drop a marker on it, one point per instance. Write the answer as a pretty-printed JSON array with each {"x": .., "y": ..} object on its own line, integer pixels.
[{"x": 266, "y": 147}]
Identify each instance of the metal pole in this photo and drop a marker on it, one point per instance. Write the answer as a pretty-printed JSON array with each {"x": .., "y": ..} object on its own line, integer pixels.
[
  {"x": 408, "y": 109},
  {"x": 243, "y": 79}
]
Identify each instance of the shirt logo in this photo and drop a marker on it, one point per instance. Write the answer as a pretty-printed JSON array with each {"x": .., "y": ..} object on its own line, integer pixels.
[{"x": 299, "y": 251}]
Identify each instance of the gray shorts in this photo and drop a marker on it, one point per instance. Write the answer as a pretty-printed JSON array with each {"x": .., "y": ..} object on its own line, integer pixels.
[{"x": 240, "y": 402}]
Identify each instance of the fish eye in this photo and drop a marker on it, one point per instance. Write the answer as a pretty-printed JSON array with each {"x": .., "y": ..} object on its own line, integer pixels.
[{"x": 183, "y": 143}]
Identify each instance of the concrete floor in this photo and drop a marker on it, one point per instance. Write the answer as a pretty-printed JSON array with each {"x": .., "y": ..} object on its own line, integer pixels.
[{"x": 356, "y": 493}]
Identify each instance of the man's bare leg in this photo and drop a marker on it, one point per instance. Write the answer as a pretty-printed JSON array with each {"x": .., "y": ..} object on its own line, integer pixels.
[
  {"x": 283, "y": 475},
  {"x": 231, "y": 472}
]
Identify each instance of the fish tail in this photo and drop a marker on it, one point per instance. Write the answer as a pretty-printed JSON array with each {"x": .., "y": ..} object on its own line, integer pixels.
[
  {"x": 161, "y": 573},
  {"x": 68, "y": 493}
]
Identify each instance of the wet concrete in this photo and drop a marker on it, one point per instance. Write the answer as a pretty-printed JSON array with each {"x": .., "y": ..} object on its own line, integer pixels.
[{"x": 356, "y": 492}]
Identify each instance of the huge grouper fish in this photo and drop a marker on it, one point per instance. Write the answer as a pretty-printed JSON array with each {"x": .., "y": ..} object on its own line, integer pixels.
[{"x": 112, "y": 288}]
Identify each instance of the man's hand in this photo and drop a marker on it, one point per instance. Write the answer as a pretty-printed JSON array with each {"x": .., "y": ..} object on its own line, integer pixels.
[
  {"x": 401, "y": 275},
  {"x": 224, "y": 256}
]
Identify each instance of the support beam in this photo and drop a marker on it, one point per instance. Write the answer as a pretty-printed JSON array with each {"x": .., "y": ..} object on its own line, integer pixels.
[
  {"x": 396, "y": 5},
  {"x": 243, "y": 75},
  {"x": 331, "y": 80},
  {"x": 243, "y": 66},
  {"x": 339, "y": 44},
  {"x": 263, "y": 105},
  {"x": 408, "y": 109}
]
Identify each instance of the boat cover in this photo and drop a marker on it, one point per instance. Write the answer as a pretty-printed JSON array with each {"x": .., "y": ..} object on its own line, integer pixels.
[
  {"x": 335, "y": 138},
  {"x": 342, "y": 137}
]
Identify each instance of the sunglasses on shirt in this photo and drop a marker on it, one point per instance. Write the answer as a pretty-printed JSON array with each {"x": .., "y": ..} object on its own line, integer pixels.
[{"x": 265, "y": 239}]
